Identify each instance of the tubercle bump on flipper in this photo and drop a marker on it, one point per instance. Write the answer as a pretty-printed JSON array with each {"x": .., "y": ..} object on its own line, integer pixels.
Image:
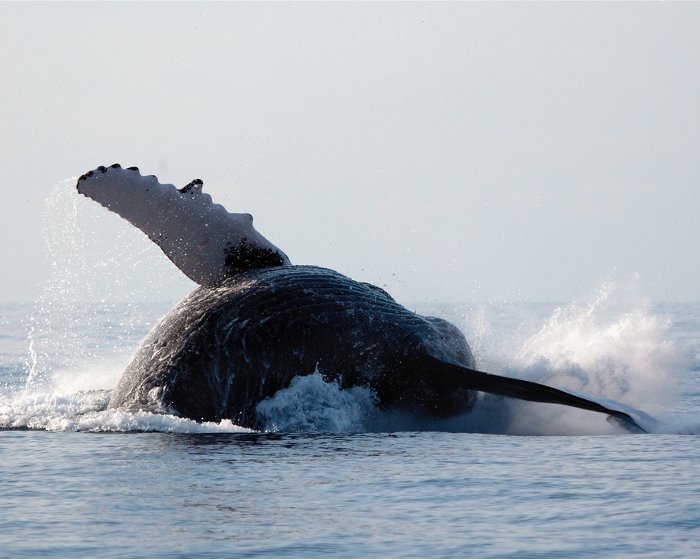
[
  {"x": 103, "y": 169},
  {"x": 192, "y": 186}
]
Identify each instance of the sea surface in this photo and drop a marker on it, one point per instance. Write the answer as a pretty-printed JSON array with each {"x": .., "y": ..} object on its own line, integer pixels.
[{"x": 333, "y": 477}]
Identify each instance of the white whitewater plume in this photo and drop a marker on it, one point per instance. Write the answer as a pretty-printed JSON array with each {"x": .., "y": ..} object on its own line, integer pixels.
[
  {"x": 597, "y": 349},
  {"x": 311, "y": 404},
  {"x": 87, "y": 412},
  {"x": 203, "y": 239},
  {"x": 617, "y": 353}
]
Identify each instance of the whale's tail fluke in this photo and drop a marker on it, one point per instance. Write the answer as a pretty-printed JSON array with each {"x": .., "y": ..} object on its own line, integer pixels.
[
  {"x": 629, "y": 418},
  {"x": 203, "y": 240}
]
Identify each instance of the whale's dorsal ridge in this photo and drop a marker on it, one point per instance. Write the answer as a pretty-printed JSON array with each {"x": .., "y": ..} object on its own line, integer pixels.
[{"x": 202, "y": 238}]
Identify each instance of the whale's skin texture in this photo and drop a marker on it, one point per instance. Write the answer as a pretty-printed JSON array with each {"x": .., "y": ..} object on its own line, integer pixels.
[{"x": 224, "y": 349}]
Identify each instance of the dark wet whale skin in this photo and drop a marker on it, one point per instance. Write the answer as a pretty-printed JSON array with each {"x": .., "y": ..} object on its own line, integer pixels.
[{"x": 224, "y": 349}]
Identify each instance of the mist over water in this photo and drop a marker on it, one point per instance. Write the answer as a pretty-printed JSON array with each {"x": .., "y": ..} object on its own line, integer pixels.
[{"x": 91, "y": 315}]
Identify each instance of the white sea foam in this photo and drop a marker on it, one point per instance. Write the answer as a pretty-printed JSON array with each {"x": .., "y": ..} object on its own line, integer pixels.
[
  {"x": 52, "y": 408},
  {"x": 311, "y": 404},
  {"x": 602, "y": 348}
]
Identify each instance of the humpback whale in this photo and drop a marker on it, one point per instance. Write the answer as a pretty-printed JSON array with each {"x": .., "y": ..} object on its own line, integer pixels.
[{"x": 256, "y": 322}]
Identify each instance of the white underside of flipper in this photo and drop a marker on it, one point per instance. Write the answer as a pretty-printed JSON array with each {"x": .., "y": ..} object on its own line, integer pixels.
[{"x": 203, "y": 239}]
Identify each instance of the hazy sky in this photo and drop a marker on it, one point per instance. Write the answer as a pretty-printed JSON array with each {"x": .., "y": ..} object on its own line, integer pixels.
[{"x": 450, "y": 152}]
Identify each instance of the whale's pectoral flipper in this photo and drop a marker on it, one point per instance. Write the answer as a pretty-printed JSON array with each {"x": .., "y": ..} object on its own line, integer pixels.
[
  {"x": 629, "y": 418},
  {"x": 203, "y": 240}
]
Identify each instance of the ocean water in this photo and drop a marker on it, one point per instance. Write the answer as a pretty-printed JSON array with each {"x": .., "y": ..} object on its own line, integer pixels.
[{"x": 332, "y": 476}]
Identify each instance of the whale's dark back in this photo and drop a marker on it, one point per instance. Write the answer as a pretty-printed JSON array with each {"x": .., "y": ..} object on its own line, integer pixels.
[{"x": 224, "y": 349}]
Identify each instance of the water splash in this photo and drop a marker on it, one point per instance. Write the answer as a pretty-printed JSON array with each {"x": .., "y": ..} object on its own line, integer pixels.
[
  {"x": 94, "y": 264},
  {"x": 87, "y": 411},
  {"x": 53, "y": 318},
  {"x": 599, "y": 347},
  {"x": 605, "y": 347},
  {"x": 311, "y": 404}
]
